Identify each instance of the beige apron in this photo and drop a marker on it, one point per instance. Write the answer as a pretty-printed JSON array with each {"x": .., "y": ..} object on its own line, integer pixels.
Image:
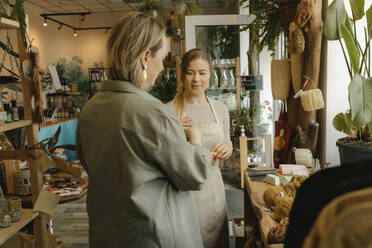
[{"x": 210, "y": 201}]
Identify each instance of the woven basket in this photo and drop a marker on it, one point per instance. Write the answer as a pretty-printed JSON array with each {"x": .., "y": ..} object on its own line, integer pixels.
[{"x": 17, "y": 137}]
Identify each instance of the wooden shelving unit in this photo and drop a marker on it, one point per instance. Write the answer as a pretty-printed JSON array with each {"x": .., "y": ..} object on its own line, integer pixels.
[
  {"x": 237, "y": 79},
  {"x": 56, "y": 121},
  {"x": 27, "y": 215},
  {"x": 13, "y": 125},
  {"x": 176, "y": 63},
  {"x": 42, "y": 233},
  {"x": 227, "y": 88},
  {"x": 6, "y": 23}
]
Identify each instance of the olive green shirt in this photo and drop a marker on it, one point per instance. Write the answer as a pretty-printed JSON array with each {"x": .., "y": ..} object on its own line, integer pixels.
[{"x": 141, "y": 171}]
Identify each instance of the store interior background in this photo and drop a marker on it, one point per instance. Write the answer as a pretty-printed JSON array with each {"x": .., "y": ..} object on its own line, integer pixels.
[{"x": 90, "y": 46}]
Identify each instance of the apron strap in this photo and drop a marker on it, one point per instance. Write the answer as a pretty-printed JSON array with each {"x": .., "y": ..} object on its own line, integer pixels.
[{"x": 213, "y": 111}]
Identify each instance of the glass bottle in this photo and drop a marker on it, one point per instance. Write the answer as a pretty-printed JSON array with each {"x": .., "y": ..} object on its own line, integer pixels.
[
  {"x": 214, "y": 79},
  {"x": 14, "y": 110},
  {"x": 231, "y": 78},
  {"x": 223, "y": 79}
]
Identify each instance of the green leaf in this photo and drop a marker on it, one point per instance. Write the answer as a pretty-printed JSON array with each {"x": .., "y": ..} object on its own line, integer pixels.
[
  {"x": 18, "y": 14},
  {"x": 336, "y": 15},
  {"x": 360, "y": 95},
  {"x": 5, "y": 7},
  {"x": 342, "y": 122},
  {"x": 348, "y": 24},
  {"x": 369, "y": 21},
  {"x": 357, "y": 7},
  {"x": 352, "y": 48}
]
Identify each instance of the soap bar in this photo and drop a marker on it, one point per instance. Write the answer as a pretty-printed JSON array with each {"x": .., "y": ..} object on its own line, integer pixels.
[
  {"x": 290, "y": 168},
  {"x": 312, "y": 100},
  {"x": 287, "y": 179},
  {"x": 272, "y": 179}
]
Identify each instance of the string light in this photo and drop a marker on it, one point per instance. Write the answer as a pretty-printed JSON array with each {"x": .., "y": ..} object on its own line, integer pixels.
[
  {"x": 75, "y": 34},
  {"x": 45, "y": 22}
]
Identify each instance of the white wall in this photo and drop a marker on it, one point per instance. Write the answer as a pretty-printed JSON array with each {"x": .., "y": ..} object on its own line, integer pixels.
[{"x": 54, "y": 43}]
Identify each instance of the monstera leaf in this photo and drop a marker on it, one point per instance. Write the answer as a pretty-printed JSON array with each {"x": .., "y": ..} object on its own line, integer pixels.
[
  {"x": 360, "y": 95},
  {"x": 336, "y": 16},
  {"x": 357, "y": 7},
  {"x": 343, "y": 123}
]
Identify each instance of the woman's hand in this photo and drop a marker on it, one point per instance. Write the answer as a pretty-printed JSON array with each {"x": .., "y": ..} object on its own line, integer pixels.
[
  {"x": 222, "y": 150},
  {"x": 193, "y": 134},
  {"x": 212, "y": 155},
  {"x": 186, "y": 122}
]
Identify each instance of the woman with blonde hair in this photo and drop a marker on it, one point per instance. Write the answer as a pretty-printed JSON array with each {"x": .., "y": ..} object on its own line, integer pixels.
[
  {"x": 141, "y": 169},
  {"x": 195, "y": 109}
]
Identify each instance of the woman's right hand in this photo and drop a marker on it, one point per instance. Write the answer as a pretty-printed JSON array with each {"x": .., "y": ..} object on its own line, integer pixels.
[
  {"x": 193, "y": 134},
  {"x": 186, "y": 122}
]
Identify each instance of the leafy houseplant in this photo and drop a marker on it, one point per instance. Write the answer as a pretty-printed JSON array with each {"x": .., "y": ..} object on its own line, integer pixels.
[
  {"x": 255, "y": 118},
  {"x": 270, "y": 15},
  {"x": 357, "y": 121},
  {"x": 71, "y": 73}
]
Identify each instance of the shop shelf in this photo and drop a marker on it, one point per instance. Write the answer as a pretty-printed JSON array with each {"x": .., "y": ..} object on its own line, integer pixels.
[
  {"x": 6, "y": 23},
  {"x": 225, "y": 88},
  {"x": 27, "y": 215},
  {"x": 13, "y": 125}
]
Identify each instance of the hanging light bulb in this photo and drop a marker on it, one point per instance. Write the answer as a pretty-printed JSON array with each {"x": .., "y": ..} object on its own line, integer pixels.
[
  {"x": 75, "y": 34},
  {"x": 45, "y": 23}
]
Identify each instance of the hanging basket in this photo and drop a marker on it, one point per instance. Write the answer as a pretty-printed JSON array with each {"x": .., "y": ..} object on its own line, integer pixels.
[
  {"x": 280, "y": 78},
  {"x": 17, "y": 137}
]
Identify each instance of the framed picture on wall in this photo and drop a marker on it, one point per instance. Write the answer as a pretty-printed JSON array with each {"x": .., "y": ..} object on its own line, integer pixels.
[{"x": 56, "y": 82}]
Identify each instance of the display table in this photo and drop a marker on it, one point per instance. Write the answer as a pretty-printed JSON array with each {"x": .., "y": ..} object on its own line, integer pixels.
[{"x": 254, "y": 202}]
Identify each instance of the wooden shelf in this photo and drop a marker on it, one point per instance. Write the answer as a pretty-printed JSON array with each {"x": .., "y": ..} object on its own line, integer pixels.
[
  {"x": 226, "y": 88},
  {"x": 169, "y": 63},
  {"x": 6, "y": 23},
  {"x": 13, "y": 125},
  {"x": 27, "y": 215},
  {"x": 255, "y": 192},
  {"x": 64, "y": 199},
  {"x": 56, "y": 121},
  {"x": 224, "y": 66}
]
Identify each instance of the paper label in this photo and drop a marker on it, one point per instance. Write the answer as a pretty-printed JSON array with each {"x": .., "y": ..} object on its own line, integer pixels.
[
  {"x": 44, "y": 161},
  {"x": 46, "y": 202}
]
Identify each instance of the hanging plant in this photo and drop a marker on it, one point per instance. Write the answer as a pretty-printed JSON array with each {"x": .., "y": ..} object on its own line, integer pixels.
[
  {"x": 153, "y": 9},
  {"x": 272, "y": 18},
  {"x": 182, "y": 9}
]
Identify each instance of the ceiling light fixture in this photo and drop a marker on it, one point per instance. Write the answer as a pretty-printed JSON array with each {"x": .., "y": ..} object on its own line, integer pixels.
[{"x": 74, "y": 28}]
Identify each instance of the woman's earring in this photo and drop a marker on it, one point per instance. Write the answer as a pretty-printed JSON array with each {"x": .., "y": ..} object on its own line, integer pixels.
[{"x": 144, "y": 72}]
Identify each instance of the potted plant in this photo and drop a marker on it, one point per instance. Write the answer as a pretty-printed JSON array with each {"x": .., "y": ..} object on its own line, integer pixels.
[
  {"x": 356, "y": 122},
  {"x": 256, "y": 119}
]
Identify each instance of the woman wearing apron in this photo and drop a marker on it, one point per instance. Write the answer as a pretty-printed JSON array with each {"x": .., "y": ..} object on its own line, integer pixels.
[{"x": 212, "y": 118}]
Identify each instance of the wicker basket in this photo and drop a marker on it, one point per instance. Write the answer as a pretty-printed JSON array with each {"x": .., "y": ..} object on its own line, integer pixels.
[{"x": 17, "y": 137}]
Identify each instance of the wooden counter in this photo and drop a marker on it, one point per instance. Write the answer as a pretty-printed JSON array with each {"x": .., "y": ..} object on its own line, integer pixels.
[{"x": 255, "y": 191}]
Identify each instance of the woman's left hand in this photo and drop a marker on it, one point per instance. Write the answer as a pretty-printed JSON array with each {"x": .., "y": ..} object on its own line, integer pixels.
[{"x": 222, "y": 149}]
